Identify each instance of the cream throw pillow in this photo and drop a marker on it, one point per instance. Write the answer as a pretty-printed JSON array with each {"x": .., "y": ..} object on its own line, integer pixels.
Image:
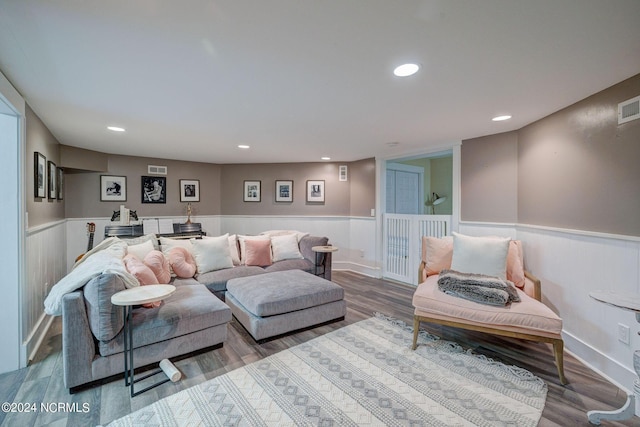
[
  {"x": 167, "y": 244},
  {"x": 480, "y": 255},
  {"x": 141, "y": 250},
  {"x": 285, "y": 247},
  {"x": 212, "y": 253}
]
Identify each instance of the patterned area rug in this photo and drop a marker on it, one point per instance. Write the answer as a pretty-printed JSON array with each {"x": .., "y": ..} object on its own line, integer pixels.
[{"x": 364, "y": 374}]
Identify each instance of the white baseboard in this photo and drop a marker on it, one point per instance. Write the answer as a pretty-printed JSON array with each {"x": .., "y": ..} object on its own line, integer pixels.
[
  {"x": 356, "y": 268},
  {"x": 33, "y": 342}
]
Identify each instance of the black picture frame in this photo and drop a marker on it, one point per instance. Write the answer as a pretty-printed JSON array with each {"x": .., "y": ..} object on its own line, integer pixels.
[
  {"x": 60, "y": 182},
  {"x": 154, "y": 189},
  {"x": 315, "y": 191},
  {"x": 189, "y": 190},
  {"x": 284, "y": 191},
  {"x": 51, "y": 180},
  {"x": 39, "y": 175},
  {"x": 113, "y": 188},
  {"x": 252, "y": 191}
]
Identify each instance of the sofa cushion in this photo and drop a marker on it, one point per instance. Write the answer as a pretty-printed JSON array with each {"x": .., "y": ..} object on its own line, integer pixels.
[
  {"x": 141, "y": 249},
  {"x": 139, "y": 270},
  {"x": 283, "y": 292},
  {"x": 437, "y": 253},
  {"x": 242, "y": 239},
  {"x": 292, "y": 264},
  {"x": 515, "y": 264},
  {"x": 529, "y": 315},
  {"x": 217, "y": 280},
  {"x": 182, "y": 262},
  {"x": 159, "y": 264},
  {"x": 189, "y": 309},
  {"x": 105, "y": 319}
]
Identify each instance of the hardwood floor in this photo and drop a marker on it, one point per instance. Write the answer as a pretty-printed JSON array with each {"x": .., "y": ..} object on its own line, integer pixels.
[{"x": 42, "y": 381}]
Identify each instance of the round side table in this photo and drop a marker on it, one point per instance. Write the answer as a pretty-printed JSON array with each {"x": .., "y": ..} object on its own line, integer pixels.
[
  {"x": 127, "y": 299},
  {"x": 327, "y": 250},
  {"x": 625, "y": 301}
]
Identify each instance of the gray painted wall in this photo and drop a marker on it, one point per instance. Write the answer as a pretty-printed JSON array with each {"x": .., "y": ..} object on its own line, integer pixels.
[
  {"x": 489, "y": 181},
  {"x": 575, "y": 169},
  {"x": 40, "y": 139}
]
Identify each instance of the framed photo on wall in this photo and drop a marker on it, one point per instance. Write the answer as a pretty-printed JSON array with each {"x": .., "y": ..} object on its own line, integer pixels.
[
  {"x": 284, "y": 191},
  {"x": 39, "y": 175},
  {"x": 60, "y": 173},
  {"x": 154, "y": 189},
  {"x": 189, "y": 190},
  {"x": 251, "y": 191},
  {"x": 113, "y": 188},
  {"x": 315, "y": 191},
  {"x": 51, "y": 180}
]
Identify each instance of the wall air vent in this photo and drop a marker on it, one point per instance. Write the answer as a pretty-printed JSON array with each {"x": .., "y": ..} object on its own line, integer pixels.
[
  {"x": 342, "y": 176},
  {"x": 629, "y": 110},
  {"x": 156, "y": 170}
]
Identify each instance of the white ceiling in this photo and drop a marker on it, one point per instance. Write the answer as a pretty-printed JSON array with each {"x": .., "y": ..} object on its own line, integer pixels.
[{"x": 301, "y": 79}]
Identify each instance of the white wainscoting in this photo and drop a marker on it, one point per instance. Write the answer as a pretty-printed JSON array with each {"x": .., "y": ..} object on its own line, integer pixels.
[
  {"x": 45, "y": 264},
  {"x": 570, "y": 264}
]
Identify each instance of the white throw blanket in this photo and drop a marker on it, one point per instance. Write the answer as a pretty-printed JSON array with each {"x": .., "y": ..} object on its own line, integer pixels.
[{"x": 104, "y": 258}]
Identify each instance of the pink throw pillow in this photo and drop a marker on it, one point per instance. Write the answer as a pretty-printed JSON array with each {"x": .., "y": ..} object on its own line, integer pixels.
[
  {"x": 156, "y": 261},
  {"x": 437, "y": 254},
  {"x": 141, "y": 272},
  {"x": 182, "y": 262},
  {"x": 258, "y": 252},
  {"x": 515, "y": 263}
]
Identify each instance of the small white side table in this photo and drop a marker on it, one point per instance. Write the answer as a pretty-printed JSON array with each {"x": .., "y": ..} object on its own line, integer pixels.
[
  {"x": 625, "y": 301},
  {"x": 128, "y": 298},
  {"x": 328, "y": 250}
]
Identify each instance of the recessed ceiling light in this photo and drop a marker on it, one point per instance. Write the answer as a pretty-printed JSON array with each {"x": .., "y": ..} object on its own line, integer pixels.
[
  {"x": 244, "y": 147},
  {"x": 115, "y": 128},
  {"x": 501, "y": 118},
  {"x": 406, "y": 70},
  {"x": 326, "y": 158}
]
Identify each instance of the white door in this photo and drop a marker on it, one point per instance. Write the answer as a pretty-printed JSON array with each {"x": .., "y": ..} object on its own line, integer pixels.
[{"x": 404, "y": 193}]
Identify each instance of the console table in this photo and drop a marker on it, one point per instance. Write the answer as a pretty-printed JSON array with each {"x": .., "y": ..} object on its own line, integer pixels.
[
  {"x": 180, "y": 231},
  {"x": 625, "y": 301}
]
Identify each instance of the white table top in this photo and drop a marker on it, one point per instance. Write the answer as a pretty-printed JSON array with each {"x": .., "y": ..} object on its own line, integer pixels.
[
  {"x": 142, "y": 294},
  {"x": 324, "y": 248},
  {"x": 625, "y": 300}
]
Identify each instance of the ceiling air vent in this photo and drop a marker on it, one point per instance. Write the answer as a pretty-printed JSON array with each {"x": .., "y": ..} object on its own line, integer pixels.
[
  {"x": 629, "y": 110},
  {"x": 157, "y": 170}
]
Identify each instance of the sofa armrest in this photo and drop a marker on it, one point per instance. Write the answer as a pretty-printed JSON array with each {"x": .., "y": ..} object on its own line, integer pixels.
[
  {"x": 532, "y": 286},
  {"x": 422, "y": 274},
  {"x": 78, "y": 346}
]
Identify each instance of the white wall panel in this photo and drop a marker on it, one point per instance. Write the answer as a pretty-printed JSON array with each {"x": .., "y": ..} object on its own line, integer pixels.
[{"x": 46, "y": 248}]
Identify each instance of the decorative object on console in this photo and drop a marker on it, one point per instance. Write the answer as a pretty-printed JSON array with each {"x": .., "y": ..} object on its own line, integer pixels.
[
  {"x": 154, "y": 189},
  {"x": 113, "y": 189},
  {"x": 284, "y": 191},
  {"x": 251, "y": 191},
  {"x": 315, "y": 191},
  {"x": 39, "y": 180},
  {"x": 51, "y": 180},
  {"x": 189, "y": 190}
]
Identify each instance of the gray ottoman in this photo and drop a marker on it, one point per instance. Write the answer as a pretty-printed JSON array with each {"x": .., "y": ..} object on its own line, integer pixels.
[{"x": 273, "y": 304}]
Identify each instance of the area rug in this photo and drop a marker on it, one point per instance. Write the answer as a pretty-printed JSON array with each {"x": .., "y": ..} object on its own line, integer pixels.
[{"x": 364, "y": 374}]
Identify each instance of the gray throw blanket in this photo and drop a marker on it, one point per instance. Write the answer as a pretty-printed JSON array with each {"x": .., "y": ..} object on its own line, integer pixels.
[{"x": 478, "y": 288}]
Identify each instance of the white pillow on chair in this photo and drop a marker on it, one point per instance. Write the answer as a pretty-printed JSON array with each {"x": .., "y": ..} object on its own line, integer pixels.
[{"x": 480, "y": 255}]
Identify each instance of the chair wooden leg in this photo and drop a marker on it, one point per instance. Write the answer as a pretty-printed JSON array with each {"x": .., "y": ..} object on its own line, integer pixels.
[
  {"x": 416, "y": 328},
  {"x": 558, "y": 352}
]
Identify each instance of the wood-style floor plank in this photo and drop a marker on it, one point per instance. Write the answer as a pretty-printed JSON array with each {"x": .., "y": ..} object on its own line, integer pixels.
[{"x": 42, "y": 381}]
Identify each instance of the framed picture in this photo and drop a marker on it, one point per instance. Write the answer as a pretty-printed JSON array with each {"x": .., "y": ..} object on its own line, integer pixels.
[
  {"x": 60, "y": 182},
  {"x": 284, "y": 191},
  {"x": 51, "y": 180},
  {"x": 39, "y": 175},
  {"x": 189, "y": 190},
  {"x": 154, "y": 189},
  {"x": 251, "y": 191},
  {"x": 113, "y": 188},
  {"x": 315, "y": 191}
]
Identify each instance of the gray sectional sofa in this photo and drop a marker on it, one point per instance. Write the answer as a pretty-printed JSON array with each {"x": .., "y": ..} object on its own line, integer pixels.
[{"x": 193, "y": 318}]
